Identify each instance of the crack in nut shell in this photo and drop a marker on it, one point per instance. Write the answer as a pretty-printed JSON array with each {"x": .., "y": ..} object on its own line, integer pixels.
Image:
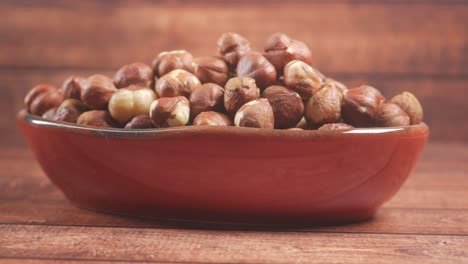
[
  {"x": 206, "y": 97},
  {"x": 281, "y": 49},
  {"x": 391, "y": 115},
  {"x": 237, "y": 92},
  {"x": 303, "y": 79},
  {"x": 211, "y": 118},
  {"x": 361, "y": 105},
  {"x": 254, "y": 65},
  {"x": 140, "y": 122},
  {"x": 410, "y": 104},
  {"x": 129, "y": 102},
  {"x": 211, "y": 69},
  {"x": 176, "y": 83},
  {"x": 336, "y": 126},
  {"x": 70, "y": 110},
  {"x": 134, "y": 74},
  {"x": 168, "y": 61},
  {"x": 73, "y": 86},
  {"x": 287, "y": 106},
  {"x": 41, "y": 98},
  {"x": 170, "y": 111},
  {"x": 232, "y": 46},
  {"x": 97, "y": 91},
  {"x": 257, "y": 113},
  {"x": 97, "y": 118},
  {"x": 324, "y": 106}
]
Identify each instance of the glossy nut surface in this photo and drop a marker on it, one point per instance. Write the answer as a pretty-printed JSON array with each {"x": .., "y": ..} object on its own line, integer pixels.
[
  {"x": 170, "y": 112},
  {"x": 303, "y": 79},
  {"x": 237, "y": 92},
  {"x": 168, "y": 61},
  {"x": 232, "y": 46},
  {"x": 97, "y": 118},
  {"x": 410, "y": 104},
  {"x": 361, "y": 106},
  {"x": 211, "y": 118},
  {"x": 70, "y": 110},
  {"x": 391, "y": 115},
  {"x": 127, "y": 103},
  {"x": 281, "y": 49},
  {"x": 41, "y": 98},
  {"x": 287, "y": 106},
  {"x": 211, "y": 69},
  {"x": 140, "y": 122},
  {"x": 97, "y": 91},
  {"x": 257, "y": 113},
  {"x": 324, "y": 106},
  {"x": 134, "y": 74},
  {"x": 206, "y": 97},
  {"x": 254, "y": 65},
  {"x": 176, "y": 83},
  {"x": 73, "y": 86}
]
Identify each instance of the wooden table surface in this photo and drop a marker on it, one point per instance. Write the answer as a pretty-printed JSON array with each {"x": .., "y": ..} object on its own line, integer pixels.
[{"x": 426, "y": 222}]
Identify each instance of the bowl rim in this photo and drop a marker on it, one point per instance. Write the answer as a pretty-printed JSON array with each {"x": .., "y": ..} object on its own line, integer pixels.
[{"x": 38, "y": 121}]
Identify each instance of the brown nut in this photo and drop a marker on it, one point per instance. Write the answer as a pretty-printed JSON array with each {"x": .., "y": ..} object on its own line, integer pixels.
[
  {"x": 256, "y": 113},
  {"x": 254, "y": 65},
  {"x": 129, "y": 102},
  {"x": 176, "y": 83},
  {"x": 134, "y": 74},
  {"x": 303, "y": 79},
  {"x": 96, "y": 118},
  {"x": 302, "y": 124},
  {"x": 97, "y": 91},
  {"x": 70, "y": 110},
  {"x": 211, "y": 69},
  {"x": 168, "y": 61},
  {"x": 212, "y": 118},
  {"x": 237, "y": 92},
  {"x": 361, "y": 106},
  {"x": 140, "y": 122},
  {"x": 391, "y": 115},
  {"x": 232, "y": 46},
  {"x": 324, "y": 106},
  {"x": 341, "y": 87},
  {"x": 336, "y": 126},
  {"x": 73, "y": 86},
  {"x": 281, "y": 49},
  {"x": 41, "y": 98},
  {"x": 206, "y": 97},
  {"x": 287, "y": 106},
  {"x": 170, "y": 112},
  {"x": 410, "y": 104},
  {"x": 50, "y": 114}
]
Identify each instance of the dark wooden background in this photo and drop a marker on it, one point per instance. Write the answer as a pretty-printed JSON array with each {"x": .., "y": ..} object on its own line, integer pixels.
[{"x": 419, "y": 46}]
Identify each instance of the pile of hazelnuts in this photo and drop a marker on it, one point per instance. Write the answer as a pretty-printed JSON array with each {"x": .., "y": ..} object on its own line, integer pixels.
[{"x": 275, "y": 89}]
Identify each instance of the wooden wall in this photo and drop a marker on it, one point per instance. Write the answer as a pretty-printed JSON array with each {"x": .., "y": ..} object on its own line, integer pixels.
[{"x": 419, "y": 46}]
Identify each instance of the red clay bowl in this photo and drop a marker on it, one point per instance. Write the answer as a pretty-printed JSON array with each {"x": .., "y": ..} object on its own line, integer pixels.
[{"x": 227, "y": 174}]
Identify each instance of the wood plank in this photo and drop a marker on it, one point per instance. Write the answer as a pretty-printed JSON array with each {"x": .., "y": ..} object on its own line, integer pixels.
[
  {"x": 363, "y": 37},
  {"x": 127, "y": 244},
  {"x": 45, "y": 260}
]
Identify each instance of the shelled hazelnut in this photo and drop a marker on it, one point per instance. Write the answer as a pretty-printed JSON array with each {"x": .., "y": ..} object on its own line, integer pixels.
[
  {"x": 281, "y": 49},
  {"x": 212, "y": 118},
  {"x": 70, "y": 110},
  {"x": 129, "y": 102},
  {"x": 73, "y": 86},
  {"x": 341, "y": 87},
  {"x": 176, "y": 83},
  {"x": 254, "y": 65},
  {"x": 97, "y": 118},
  {"x": 168, "y": 61},
  {"x": 287, "y": 105},
  {"x": 41, "y": 98},
  {"x": 134, "y": 74},
  {"x": 392, "y": 115},
  {"x": 324, "y": 106},
  {"x": 257, "y": 113},
  {"x": 232, "y": 46},
  {"x": 237, "y": 92},
  {"x": 206, "y": 97},
  {"x": 336, "y": 126},
  {"x": 97, "y": 91},
  {"x": 211, "y": 69},
  {"x": 170, "y": 111},
  {"x": 140, "y": 122},
  {"x": 303, "y": 79},
  {"x": 410, "y": 104},
  {"x": 361, "y": 106}
]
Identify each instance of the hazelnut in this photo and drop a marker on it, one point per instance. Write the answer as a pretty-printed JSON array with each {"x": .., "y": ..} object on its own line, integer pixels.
[
  {"x": 211, "y": 69},
  {"x": 341, "y": 87},
  {"x": 140, "y": 122},
  {"x": 256, "y": 113},
  {"x": 254, "y": 65},
  {"x": 50, "y": 114},
  {"x": 303, "y": 79},
  {"x": 281, "y": 49},
  {"x": 206, "y": 97},
  {"x": 232, "y": 46},
  {"x": 391, "y": 115},
  {"x": 287, "y": 106},
  {"x": 410, "y": 104},
  {"x": 96, "y": 118},
  {"x": 237, "y": 92},
  {"x": 97, "y": 91},
  {"x": 129, "y": 102},
  {"x": 324, "y": 106},
  {"x": 134, "y": 74},
  {"x": 70, "y": 110},
  {"x": 41, "y": 98},
  {"x": 170, "y": 112},
  {"x": 168, "y": 61},
  {"x": 361, "y": 105},
  {"x": 212, "y": 118},
  {"x": 176, "y": 83},
  {"x": 73, "y": 86},
  {"x": 336, "y": 126}
]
